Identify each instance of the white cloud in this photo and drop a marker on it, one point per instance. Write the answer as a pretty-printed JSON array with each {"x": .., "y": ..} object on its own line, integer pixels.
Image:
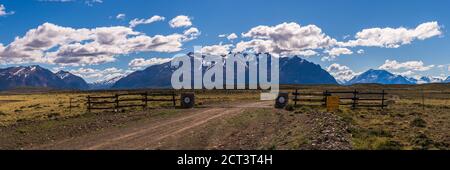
[
  {"x": 216, "y": 49},
  {"x": 191, "y": 34},
  {"x": 139, "y": 63},
  {"x": 135, "y": 22},
  {"x": 92, "y": 2},
  {"x": 408, "y": 65},
  {"x": 328, "y": 58},
  {"x": 3, "y": 11},
  {"x": 340, "y": 72},
  {"x": 405, "y": 73},
  {"x": 180, "y": 21},
  {"x": 98, "y": 74},
  {"x": 54, "y": 44},
  {"x": 284, "y": 39},
  {"x": 361, "y": 51},
  {"x": 232, "y": 36},
  {"x": 338, "y": 51},
  {"x": 393, "y": 37},
  {"x": 306, "y": 53},
  {"x": 121, "y": 16}
]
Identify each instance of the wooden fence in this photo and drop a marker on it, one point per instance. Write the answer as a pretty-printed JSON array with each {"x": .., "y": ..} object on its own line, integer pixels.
[
  {"x": 129, "y": 100},
  {"x": 354, "y": 98}
]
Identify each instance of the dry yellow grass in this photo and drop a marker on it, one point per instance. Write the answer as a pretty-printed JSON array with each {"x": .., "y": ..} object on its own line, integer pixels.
[
  {"x": 22, "y": 107},
  {"x": 39, "y": 106}
]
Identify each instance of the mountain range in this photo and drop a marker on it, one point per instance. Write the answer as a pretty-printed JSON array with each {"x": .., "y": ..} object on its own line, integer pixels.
[
  {"x": 293, "y": 70},
  {"x": 36, "y": 76},
  {"x": 378, "y": 77}
]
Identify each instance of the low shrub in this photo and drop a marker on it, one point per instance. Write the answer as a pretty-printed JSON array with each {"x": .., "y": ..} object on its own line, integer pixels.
[{"x": 418, "y": 122}]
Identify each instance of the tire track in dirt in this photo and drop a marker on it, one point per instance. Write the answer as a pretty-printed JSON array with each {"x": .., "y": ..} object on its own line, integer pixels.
[{"x": 148, "y": 136}]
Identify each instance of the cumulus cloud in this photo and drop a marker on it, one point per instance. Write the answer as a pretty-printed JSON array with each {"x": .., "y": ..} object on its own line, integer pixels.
[
  {"x": 191, "y": 34},
  {"x": 135, "y": 22},
  {"x": 232, "y": 36},
  {"x": 53, "y": 44},
  {"x": 334, "y": 52},
  {"x": 306, "y": 53},
  {"x": 180, "y": 21},
  {"x": 291, "y": 38},
  {"x": 216, "y": 49},
  {"x": 3, "y": 11},
  {"x": 284, "y": 39},
  {"x": 394, "y": 37},
  {"x": 340, "y": 72},
  {"x": 408, "y": 65},
  {"x": 139, "y": 63},
  {"x": 338, "y": 51}
]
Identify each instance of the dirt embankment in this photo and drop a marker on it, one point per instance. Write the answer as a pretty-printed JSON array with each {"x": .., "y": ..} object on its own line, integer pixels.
[{"x": 328, "y": 132}]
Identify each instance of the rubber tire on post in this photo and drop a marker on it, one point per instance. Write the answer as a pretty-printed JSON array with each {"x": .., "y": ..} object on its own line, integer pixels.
[
  {"x": 187, "y": 100},
  {"x": 282, "y": 100}
]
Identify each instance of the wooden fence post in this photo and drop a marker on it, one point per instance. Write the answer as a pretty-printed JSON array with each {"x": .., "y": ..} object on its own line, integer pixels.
[
  {"x": 89, "y": 104},
  {"x": 145, "y": 100},
  {"x": 355, "y": 99},
  {"x": 117, "y": 102},
  {"x": 173, "y": 99},
  {"x": 325, "y": 95}
]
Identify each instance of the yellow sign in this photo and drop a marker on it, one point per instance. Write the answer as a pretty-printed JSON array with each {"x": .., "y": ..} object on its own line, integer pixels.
[{"x": 332, "y": 103}]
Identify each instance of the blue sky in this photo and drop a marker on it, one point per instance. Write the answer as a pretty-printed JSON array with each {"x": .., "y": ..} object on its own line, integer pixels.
[{"x": 339, "y": 20}]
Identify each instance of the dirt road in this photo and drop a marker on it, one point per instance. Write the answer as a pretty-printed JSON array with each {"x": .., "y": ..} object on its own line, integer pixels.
[{"x": 147, "y": 135}]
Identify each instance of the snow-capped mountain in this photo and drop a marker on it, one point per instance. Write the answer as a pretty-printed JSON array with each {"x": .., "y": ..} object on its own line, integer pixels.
[
  {"x": 105, "y": 84},
  {"x": 429, "y": 79},
  {"x": 379, "y": 77},
  {"x": 29, "y": 76},
  {"x": 72, "y": 81},
  {"x": 447, "y": 80},
  {"x": 293, "y": 70},
  {"x": 36, "y": 76}
]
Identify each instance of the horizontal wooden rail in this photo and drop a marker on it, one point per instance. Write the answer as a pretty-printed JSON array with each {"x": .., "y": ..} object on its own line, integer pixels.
[
  {"x": 356, "y": 96},
  {"x": 103, "y": 97},
  {"x": 121, "y": 101}
]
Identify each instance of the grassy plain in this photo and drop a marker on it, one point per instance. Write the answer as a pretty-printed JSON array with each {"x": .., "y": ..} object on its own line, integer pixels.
[{"x": 418, "y": 117}]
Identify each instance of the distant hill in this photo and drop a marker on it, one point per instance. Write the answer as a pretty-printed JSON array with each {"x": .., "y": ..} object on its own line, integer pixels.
[
  {"x": 379, "y": 77},
  {"x": 293, "y": 70}
]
